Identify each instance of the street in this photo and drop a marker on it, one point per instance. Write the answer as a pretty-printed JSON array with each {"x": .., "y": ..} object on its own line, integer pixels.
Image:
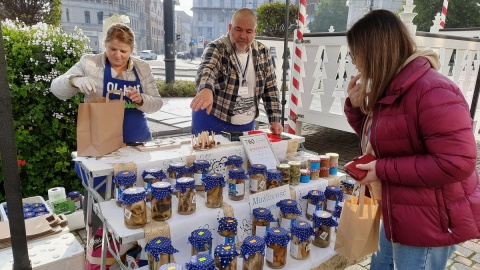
[{"x": 184, "y": 70}]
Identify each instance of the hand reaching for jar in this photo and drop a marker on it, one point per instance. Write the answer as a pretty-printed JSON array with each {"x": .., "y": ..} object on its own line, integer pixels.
[{"x": 134, "y": 95}]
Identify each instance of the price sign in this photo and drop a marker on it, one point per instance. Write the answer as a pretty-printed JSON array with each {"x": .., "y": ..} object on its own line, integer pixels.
[{"x": 259, "y": 150}]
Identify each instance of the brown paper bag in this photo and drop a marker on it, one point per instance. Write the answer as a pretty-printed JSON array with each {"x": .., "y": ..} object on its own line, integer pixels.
[
  {"x": 358, "y": 228},
  {"x": 100, "y": 126}
]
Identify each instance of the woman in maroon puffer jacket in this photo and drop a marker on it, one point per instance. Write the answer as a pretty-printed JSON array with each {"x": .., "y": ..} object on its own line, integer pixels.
[{"x": 417, "y": 123}]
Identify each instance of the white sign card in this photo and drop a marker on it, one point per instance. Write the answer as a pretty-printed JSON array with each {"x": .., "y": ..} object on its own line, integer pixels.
[
  {"x": 269, "y": 198},
  {"x": 259, "y": 150}
]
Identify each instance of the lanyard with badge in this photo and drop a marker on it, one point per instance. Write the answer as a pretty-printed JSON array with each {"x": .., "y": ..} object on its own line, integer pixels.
[{"x": 243, "y": 90}]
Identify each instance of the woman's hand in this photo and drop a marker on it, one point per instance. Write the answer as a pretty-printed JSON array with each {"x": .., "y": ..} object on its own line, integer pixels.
[
  {"x": 354, "y": 91},
  {"x": 203, "y": 100},
  {"x": 134, "y": 95},
  {"x": 371, "y": 172}
]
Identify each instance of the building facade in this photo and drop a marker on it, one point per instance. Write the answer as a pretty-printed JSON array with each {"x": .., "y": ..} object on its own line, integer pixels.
[{"x": 358, "y": 8}]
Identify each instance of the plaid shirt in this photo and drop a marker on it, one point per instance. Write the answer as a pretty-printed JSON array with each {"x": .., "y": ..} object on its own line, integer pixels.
[{"x": 220, "y": 72}]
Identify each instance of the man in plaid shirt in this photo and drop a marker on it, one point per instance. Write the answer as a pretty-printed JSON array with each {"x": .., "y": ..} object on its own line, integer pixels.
[{"x": 236, "y": 72}]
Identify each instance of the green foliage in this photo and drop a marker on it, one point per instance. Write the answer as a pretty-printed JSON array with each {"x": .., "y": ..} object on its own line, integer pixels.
[
  {"x": 330, "y": 13},
  {"x": 178, "y": 89},
  {"x": 55, "y": 15},
  {"x": 271, "y": 19},
  {"x": 45, "y": 127}
]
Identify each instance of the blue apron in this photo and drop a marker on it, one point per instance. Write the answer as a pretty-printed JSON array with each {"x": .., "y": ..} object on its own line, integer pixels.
[
  {"x": 135, "y": 128},
  {"x": 201, "y": 121}
]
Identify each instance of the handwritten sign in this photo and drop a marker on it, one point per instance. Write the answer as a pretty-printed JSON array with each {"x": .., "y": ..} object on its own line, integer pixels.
[
  {"x": 259, "y": 150},
  {"x": 269, "y": 198}
]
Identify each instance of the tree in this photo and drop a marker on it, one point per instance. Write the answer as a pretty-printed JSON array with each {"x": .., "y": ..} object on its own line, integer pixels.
[
  {"x": 461, "y": 13},
  {"x": 271, "y": 19},
  {"x": 31, "y": 11},
  {"x": 330, "y": 12}
]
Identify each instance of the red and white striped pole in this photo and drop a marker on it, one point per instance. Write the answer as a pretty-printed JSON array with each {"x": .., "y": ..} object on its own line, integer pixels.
[
  {"x": 443, "y": 16},
  {"x": 295, "y": 84}
]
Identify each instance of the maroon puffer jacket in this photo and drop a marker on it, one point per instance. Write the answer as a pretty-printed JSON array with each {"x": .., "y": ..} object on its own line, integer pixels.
[{"x": 426, "y": 158}]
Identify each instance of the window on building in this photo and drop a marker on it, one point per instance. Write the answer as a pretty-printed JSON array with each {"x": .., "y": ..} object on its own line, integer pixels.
[
  {"x": 209, "y": 32},
  {"x": 232, "y": 3},
  {"x": 100, "y": 17},
  {"x": 200, "y": 31},
  {"x": 209, "y": 16},
  {"x": 87, "y": 16},
  {"x": 67, "y": 14},
  {"x": 209, "y": 3},
  {"x": 200, "y": 16},
  {"x": 222, "y": 3},
  {"x": 255, "y": 3},
  {"x": 200, "y": 3},
  {"x": 221, "y": 17}
]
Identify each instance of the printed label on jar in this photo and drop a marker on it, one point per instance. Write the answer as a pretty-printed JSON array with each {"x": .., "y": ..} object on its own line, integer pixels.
[
  {"x": 236, "y": 189},
  {"x": 253, "y": 185},
  {"x": 260, "y": 231},
  {"x": 147, "y": 185},
  {"x": 311, "y": 208},
  {"x": 118, "y": 194},
  {"x": 262, "y": 184},
  {"x": 78, "y": 204},
  {"x": 127, "y": 214},
  {"x": 294, "y": 250},
  {"x": 331, "y": 205},
  {"x": 269, "y": 254},
  {"x": 193, "y": 200},
  {"x": 226, "y": 240},
  {"x": 323, "y": 235},
  {"x": 286, "y": 223},
  {"x": 207, "y": 252},
  {"x": 198, "y": 179}
]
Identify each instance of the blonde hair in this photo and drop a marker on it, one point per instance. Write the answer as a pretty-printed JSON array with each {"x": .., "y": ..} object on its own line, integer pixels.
[
  {"x": 244, "y": 12},
  {"x": 382, "y": 44},
  {"x": 120, "y": 32}
]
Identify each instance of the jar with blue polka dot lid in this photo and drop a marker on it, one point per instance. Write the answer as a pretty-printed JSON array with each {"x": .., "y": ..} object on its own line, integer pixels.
[
  {"x": 227, "y": 229},
  {"x": 187, "y": 203},
  {"x": 176, "y": 170},
  {"x": 276, "y": 241},
  {"x": 161, "y": 208},
  {"x": 274, "y": 178},
  {"x": 315, "y": 202},
  {"x": 253, "y": 252},
  {"x": 334, "y": 195},
  {"x": 225, "y": 256},
  {"x": 301, "y": 239},
  {"x": 171, "y": 266},
  {"x": 347, "y": 187},
  {"x": 134, "y": 207},
  {"x": 123, "y": 180},
  {"x": 258, "y": 178},
  {"x": 159, "y": 252},
  {"x": 288, "y": 213},
  {"x": 151, "y": 176},
  {"x": 236, "y": 184},
  {"x": 214, "y": 183},
  {"x": 76, "y": 197},
  {"x": 200, "y": 169},
  {"x": 201, "y": 262},
  {"x": 261, "y": 219},
  {"x": 233, "y": 162},
  {"x": 323, "y": 222},
  {"x": 201, "y": 241}
]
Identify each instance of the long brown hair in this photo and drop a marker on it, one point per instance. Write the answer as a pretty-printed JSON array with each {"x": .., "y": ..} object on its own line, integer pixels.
[{"x": 382, "y": 43}]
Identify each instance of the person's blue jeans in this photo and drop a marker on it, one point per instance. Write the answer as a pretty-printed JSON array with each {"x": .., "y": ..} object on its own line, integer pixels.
[{"x": 401, "y": 257}]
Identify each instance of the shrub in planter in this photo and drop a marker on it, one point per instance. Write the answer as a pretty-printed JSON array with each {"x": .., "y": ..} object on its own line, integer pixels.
[
  {"x": 45, "y": 127},
  {"x": 178, "y": 89}
]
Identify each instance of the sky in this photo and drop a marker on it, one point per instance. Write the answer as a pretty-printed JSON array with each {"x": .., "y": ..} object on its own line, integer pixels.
[{"x": 185, "y": 5}]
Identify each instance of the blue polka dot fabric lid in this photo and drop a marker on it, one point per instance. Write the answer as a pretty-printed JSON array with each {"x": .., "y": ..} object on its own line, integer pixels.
[
  {"x": 185, "y": 183},
  {"x": 252, "y": 245},
  {"x": 124, "y": 178},
  {"x": 201, "y": 165},
  {"x": 42, "y": 213},
  {"x": 201, "y": 237},
  {"x": 27, "y": 209},
  {"x": 277, "y": 235},
  {"x": 73, "y": 194},
  {"x": 302, "y": 229},
  {"x": 201, "y": 262},
  {"x": 263, "y": 213},
  {"x": 35, "y": 205},
  {"x": 133, "y": 195},
  {"x": 226, "y": 253},
  {"x": 227, "y": 224},
  {"x": 178, "y": 167},
  {"x": 28, "y": 215},
  {"x": 323, "y": 218},
  {"x": 161, "y": 190},
  {"x": 153, "y": 173},
  {"x": 274, "y": 174},
  {"x": 237, "y": 173},
  {"x": 316, "y": 196},
  {"x": 257, "y": 169},
  {"x": 212, "y": 180},
  {"x": 338, "y": 210},
  {"x": 160, "y": 245},
  {"x": 334, "y": 191},
  {"x": 171, "y": 266},
  {"x": 288, "y": 206},
  {"x": 236, "y": 161},
  {"x": 39, "y": 209}
]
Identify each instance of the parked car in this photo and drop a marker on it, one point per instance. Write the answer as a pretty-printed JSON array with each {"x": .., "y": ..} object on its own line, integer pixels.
[
  {"x": 148, "y": 54},
  {"x": 183, "y": 55}
]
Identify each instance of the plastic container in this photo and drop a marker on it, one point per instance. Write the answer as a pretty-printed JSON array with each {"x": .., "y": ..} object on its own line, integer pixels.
[
  {"x": 274, "y": 178},
  {"x": 258, "y": 178},
  {"x": 285, "y": 172},
  {"x": 334, "y": 195},
  {"x": 276, "y": 241},
  {"x": 288, "y": 213},
  {"x": 236, "y": 184},
  {"x": 315, "y": 202},
  {"x": 187, "y": 203},
  {"x": 200, "y": 169},
  {"x": 253, "y": 253},
  {"x": 261, "y": 219},
  {"x": 150, "y": 176},
  {"x": 134, "y": 207},
  {"x": 301, "y": 239},
  {"x": 214, "y": 183},
  {"x": 201, "y": 241},
  {"x": 226, "y": 257},
  {"x": 295, "y": 167},
  {"x": 161, "y": 201},
  {"x": 123, "y": 180},
  {"x": 323, "y": 223},
  {"x": 159, "y": 252},
  {"x": 227, "y": 229},
  {"x": 201, "y": 262}
]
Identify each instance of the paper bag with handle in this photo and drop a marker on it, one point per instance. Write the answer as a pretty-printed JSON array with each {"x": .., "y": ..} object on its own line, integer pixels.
[
  {"x": 100, "y": 125},
  {"x": 358, "y": 228}
]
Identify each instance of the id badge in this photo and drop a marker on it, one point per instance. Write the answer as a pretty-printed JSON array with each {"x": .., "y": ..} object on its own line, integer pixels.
[{"x": 243, "y": 91}]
